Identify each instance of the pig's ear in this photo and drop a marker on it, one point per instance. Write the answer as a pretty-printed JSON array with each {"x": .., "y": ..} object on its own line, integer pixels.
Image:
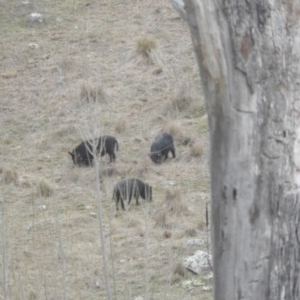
[{"x": 72, "y": 154}]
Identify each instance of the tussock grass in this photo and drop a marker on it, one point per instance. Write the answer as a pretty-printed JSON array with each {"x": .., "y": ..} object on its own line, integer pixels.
[
  {"x": 191, "y": 232},
  {"x": 120, "y": 126},
  {"x": 134, "y": 221},
  {"x": 196, "y": 149},
  {"x": 147, "y": 51},
  {"x": 179, "y": 269},
  {"x": 145, "y": 45},
  {"x": 44, "y": 188},
  {"x": 173, "y": 200},
  {"x": 186, "y": 102},
  {"x": 141, "y": 169},
  {"x": 90, "y": 92},
  {"x": 9, "y": 175},
  {"x": 178, "y": 273},
  {"x": 174, "y": 128},
  {"x": 161, "y": 218}
]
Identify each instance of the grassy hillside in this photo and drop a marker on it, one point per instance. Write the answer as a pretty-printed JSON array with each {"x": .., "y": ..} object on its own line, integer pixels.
[{"x": 123, "y": 68}]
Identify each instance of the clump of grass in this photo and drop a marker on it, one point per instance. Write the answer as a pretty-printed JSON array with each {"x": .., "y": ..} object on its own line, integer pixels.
[
  {"x": 92, "y": 93},
  {"x": 178, "y": 273},
  {"x": 191, "y": 232},
  {"x": 174, "y": 128},
  {"x": 44, "y": 188},
  {"x": 134, "y": 222},
  {"x": 173, "y": 200},
  {"x": 187, "y": 102},
  {"x": 179, "y": 269},
  {"x": 108, "y": 171},
  {"x": 201, "y": 225},
  {"x": 120, "y": 126},
  {"x": 196, "y": 149},
  {"x": 161, "y": 218},
  {"x": 182, "y": 100},
  {"x": 9, "y": 175},
  {"x": 142, "y": 167},
  {"x": 145, "y": 45}
]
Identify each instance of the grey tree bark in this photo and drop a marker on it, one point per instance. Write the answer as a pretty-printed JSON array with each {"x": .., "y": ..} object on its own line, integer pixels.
[{"x": 248, "y": 55}]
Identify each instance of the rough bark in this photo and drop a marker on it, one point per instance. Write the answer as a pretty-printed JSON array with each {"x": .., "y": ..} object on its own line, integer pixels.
[{"x": 248, "y": 56}]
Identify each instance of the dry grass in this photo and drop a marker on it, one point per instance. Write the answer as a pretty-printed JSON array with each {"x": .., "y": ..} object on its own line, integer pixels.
[
  {"x": 173, "y": 201},
  {"x": 90, "y": 92},
  {"x": 191, "y": 232},
  {"x": 161, "y": 218},
  {"x": 196, "y": 149},
  {"x": 174, "y": 128},
  {"x": 145, "y": 45},
  {"x": 179, "y": 272},
  {"x": 53, "y": 247},
  {"x": 120, "y": 126},
  {"x": 9, "y": 175},
  {"x": 186, "y": 102},
  {"x": 44, "y": 188}
]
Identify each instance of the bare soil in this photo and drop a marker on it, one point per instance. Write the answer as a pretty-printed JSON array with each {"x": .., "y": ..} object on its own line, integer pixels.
[{"x": 78, "y": 74}]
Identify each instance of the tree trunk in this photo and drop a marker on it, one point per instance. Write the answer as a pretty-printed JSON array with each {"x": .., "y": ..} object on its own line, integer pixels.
[{"x": 248, "y": 56}]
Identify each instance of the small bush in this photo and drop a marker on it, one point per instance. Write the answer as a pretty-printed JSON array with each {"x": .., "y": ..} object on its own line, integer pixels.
[
  {"x": 196, "y": 150},
  {"x": 144, "y": 45},
  {"x": 44, "y": 189}
]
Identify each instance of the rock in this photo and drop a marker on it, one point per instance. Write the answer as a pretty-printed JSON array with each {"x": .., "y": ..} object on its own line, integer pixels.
[
  {"x": 194, "y": 243},
  {"x": 36, "y": 17},
  {"x": 198, "y": 263},
  {"x": 139, "y": 298},
  {"x": 33, "y": 46}
]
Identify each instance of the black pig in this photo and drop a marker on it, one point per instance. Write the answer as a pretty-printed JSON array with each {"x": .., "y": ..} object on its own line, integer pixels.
[
  {"x": 161, "y": 146},
  {"x": 132, "y": 187},
  {"x": 83, "y": 153}
]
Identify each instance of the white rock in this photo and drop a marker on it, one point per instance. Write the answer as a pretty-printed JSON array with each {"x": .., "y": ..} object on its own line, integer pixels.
[
  {"x": 36, "y": 17},
  {"x": 198, "y": 263},
  {"x": 193, "y": 243},
  {"x": 33, "y": 46},
  {"x": 139, "y": 298}
]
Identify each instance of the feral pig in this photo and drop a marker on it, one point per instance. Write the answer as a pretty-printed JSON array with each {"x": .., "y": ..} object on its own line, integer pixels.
[
  {"x": 161, "y": 146},
  {"x": 83, "y": 153},
  {"x": 132, "y": 187}
]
